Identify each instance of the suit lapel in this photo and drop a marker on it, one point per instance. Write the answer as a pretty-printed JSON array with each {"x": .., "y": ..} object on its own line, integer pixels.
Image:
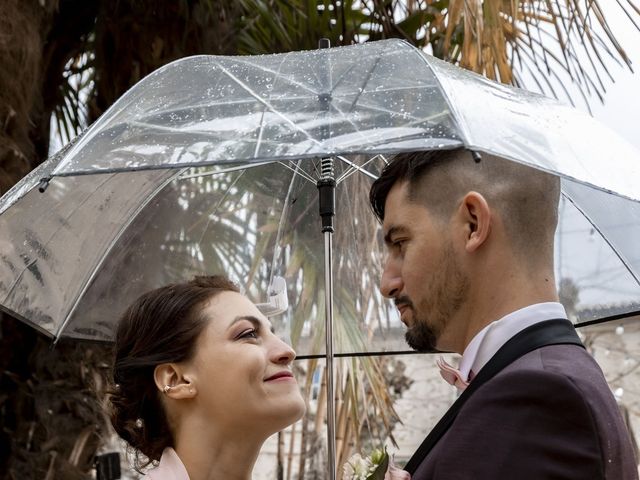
[{"x": 549, "y": 332}]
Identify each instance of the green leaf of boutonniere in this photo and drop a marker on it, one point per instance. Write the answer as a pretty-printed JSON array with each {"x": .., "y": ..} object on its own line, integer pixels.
[{"x": 381, "y": 458}]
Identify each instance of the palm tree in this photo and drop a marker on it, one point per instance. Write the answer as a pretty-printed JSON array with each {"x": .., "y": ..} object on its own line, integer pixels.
[{"x": 69, "y": 60}]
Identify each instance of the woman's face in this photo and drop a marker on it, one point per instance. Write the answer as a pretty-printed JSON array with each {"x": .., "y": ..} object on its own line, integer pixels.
[{"x": 242, "y": 370}]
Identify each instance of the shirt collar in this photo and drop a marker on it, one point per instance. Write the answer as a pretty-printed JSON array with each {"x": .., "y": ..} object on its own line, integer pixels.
[{"x": 488, "y": 341}]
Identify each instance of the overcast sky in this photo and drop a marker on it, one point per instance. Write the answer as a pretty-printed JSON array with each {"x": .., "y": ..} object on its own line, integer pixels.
[{"x": 621, "y": 110}]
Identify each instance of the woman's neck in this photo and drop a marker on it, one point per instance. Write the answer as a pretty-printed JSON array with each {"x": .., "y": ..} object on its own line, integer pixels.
[{"x": 208, "y": 454}]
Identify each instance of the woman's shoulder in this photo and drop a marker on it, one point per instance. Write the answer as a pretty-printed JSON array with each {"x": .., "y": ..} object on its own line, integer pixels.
[{"x": 169, "y": 468}]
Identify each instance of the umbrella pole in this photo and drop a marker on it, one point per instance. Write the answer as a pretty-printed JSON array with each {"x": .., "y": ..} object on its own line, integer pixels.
[
  {"x": 327, "y": 204},
  {"x": 331, "y": 415}
]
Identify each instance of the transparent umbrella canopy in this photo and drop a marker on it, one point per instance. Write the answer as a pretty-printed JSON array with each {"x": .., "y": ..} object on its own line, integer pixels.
[{"x": 210, "y": 165}]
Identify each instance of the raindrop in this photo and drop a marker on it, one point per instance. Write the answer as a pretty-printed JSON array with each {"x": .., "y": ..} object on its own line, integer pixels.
[
  {"x": 619, "y": 330},
  {"x": 619, "y": 392}
]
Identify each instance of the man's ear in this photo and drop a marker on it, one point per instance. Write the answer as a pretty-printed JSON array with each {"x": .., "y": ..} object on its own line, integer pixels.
[
  {"x": 476, "y": 215},
  {"x": 173, "y": 381}
]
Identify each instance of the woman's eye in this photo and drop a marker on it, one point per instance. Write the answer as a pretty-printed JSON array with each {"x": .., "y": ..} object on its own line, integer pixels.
[{"x": 252, "y": 333}]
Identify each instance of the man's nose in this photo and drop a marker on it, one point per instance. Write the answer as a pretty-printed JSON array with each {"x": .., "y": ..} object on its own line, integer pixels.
[{"x": 391, "y": 282}]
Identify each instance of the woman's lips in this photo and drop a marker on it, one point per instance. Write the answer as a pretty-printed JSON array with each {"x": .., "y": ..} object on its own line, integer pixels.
[{"x": 284, "y": 376}]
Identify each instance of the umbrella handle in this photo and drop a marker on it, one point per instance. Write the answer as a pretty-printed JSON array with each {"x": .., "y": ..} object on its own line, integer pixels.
[{"x": 278, "y": 301}]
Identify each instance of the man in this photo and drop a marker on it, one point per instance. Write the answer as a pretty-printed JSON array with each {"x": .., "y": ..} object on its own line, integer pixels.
[{"x": 470, "y": 268}]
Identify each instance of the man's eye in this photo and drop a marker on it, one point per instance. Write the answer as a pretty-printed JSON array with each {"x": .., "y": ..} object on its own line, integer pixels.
[{"x": 251, "y": 333}]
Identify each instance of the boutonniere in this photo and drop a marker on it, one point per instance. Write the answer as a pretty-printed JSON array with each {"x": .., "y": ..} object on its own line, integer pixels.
[{"x": 373, "y": 467}]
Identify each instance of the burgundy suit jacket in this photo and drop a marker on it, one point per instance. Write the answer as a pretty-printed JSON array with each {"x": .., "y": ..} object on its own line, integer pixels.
[{"x": 540, "y": 409}]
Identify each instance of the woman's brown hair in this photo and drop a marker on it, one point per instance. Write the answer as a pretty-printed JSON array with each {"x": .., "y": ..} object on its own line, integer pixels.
[{"x": 162, "y": 326}]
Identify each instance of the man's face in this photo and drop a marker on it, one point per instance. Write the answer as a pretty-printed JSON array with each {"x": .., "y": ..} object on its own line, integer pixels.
[{"x": 421, "y": 273}]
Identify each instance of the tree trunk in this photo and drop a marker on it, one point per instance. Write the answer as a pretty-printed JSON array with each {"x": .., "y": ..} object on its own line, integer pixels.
[{"x": 50, "y": 416}]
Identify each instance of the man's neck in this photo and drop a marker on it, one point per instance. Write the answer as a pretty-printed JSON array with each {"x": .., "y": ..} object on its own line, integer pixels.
[{"x": 490, "y": 303}]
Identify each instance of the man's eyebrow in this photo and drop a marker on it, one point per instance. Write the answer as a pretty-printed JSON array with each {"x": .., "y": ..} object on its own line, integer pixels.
[
  {"x": 257, "y": 323},
  {"x": 394, "y": 230}
]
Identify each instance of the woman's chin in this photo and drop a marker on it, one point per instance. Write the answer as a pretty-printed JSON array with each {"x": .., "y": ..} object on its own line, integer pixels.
[{"x": 288, "y": 413}]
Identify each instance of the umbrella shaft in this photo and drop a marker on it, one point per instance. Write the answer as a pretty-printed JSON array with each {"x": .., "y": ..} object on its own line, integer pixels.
[{"x": 331, "y": 415}]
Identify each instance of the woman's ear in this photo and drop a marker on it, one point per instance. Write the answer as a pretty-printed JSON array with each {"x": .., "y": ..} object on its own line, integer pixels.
[
  {"x": 476, "y": 215},
  {"x": 173, "y": 382}
]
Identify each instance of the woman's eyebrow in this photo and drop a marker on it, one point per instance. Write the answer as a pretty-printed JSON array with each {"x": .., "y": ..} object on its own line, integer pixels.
[{"x": 254, "y": 320}]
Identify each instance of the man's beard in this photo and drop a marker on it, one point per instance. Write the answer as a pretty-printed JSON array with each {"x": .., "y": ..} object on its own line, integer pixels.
[{"x": 446, "y": 292}]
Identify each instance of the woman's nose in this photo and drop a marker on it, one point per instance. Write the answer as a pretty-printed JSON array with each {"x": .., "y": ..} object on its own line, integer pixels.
[
  {"x": 282, "y": 353},
  {"x": 391, "y": 282}
]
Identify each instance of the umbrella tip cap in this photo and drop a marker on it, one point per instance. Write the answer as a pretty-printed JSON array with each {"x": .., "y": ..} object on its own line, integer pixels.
[{"x": 44, "y": 183}]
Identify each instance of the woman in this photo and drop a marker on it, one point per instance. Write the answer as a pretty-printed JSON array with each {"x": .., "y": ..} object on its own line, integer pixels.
[{"x": 201, "y": 381}]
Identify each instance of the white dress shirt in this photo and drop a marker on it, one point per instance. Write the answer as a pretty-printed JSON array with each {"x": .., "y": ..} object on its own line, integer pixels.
[{"x": 488, "y": 341}]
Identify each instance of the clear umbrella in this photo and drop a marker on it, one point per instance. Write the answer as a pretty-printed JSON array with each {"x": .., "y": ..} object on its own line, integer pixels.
[{"x": 212, "y": 163}]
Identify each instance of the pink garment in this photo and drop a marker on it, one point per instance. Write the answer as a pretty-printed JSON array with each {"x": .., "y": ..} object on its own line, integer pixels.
[
  {"x": 395, "y": 473},
  {"x": 451, "y": 374},
  {"x": 170, "y": 467}
]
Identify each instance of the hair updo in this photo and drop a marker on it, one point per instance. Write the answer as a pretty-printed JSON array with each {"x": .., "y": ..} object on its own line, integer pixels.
[{"x": 162, "y": 326}]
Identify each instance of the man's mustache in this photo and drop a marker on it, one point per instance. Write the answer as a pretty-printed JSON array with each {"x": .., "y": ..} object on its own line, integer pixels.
[{"x": 403, "y": 301}]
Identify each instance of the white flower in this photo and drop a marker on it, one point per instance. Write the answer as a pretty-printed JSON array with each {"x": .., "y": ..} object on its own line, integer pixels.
[{"x": 361, "y": 468}]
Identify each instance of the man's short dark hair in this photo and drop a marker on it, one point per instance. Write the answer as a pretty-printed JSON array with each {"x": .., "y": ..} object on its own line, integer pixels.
[
  {"x": 525, "y": 198},
  {"x": 410, "y": 167}
]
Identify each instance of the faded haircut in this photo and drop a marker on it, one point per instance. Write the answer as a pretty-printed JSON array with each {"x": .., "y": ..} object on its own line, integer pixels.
[{"x": 526, "y": 199}]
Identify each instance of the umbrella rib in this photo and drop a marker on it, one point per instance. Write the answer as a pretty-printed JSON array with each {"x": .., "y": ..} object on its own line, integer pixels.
[
  {"x": 265, "y": 69},
  {"x": 375, "y": 353},
  {"x": 364, "y": 84},
  {"x": 285, "y": 209},
  {"x": 112, "y": 244},
  {"x": 302, "y": 173},
  {"x": 354, "y": 167},
  {"x": 377, "y": 109},
  {"x": 259, "y": 141},
  {"x": 348, "y": 119},
  {"x": 604, "y": 237},
  {"x": 14, "y": 284},
  {"x": 268, "y": 105},
  {"x": 454, "y": 114},
  {"x": 222, "y": 199},
  {"x": 46, "y": 243},
  {"x": 224, "y": 170},
  {"x": 361, "y": 168},
  {"x": 342, "y": 77},
  {"x": 262, "y": 117}
]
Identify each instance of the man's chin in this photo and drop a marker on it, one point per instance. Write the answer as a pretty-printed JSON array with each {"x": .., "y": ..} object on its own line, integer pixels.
[{"x": 421, "y": 341}]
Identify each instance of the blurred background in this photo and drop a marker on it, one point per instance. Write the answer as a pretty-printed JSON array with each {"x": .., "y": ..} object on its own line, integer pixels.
[{"x": 64, "y": 62}]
